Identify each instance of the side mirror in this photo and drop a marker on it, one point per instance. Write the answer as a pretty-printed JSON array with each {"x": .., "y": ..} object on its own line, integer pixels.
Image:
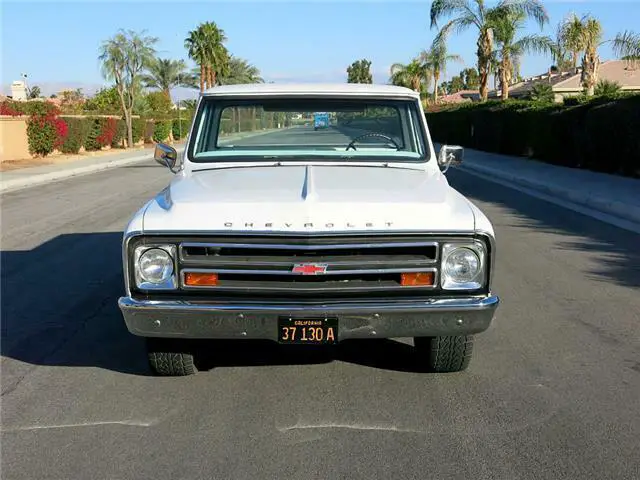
[
  {"x": 166, "y": 156},
  {"x": 450, "y": 156}
]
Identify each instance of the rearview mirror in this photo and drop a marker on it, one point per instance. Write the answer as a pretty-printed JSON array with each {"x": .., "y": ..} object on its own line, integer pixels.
[
  {"x": 450, "y": 156},
  {"x": 166, "y": 156}
]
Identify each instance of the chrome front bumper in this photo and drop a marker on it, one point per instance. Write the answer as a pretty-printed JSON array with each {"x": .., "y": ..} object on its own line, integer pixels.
[{"x": 390, "y": 319}]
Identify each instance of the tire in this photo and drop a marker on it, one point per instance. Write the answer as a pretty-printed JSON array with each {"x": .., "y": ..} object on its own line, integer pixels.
[
  {"x": 445, "y": 354},
  {"x": 170, "y": 358}
]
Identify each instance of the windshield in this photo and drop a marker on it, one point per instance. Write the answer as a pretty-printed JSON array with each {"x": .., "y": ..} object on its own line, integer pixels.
[{"x": 282, "y": 129}]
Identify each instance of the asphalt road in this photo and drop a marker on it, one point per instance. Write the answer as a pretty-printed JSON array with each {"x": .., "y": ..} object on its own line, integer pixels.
[{"x": 552, "y": 392}]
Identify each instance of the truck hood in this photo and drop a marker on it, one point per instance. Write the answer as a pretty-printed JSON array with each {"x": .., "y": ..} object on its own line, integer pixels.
[{"x": 309, "y": 199}]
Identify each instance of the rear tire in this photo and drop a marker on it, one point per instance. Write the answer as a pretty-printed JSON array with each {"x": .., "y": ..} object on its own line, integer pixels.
[
  {"x": 444, "y": 354},
  {"x": 171, "y": 358}
]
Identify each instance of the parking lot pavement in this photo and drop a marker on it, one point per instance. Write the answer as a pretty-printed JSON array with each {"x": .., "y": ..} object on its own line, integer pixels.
[{"x": 551, "y": 393}]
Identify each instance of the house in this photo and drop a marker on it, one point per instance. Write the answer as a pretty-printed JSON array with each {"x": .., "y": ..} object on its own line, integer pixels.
[
  {"x": 459, "y": 97},
  {"x": 568, "y": 84}
]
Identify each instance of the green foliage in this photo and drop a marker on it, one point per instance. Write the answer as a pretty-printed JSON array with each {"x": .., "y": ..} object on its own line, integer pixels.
[
  {"x": 161, "y": 131},
  {"x": 180, "y": 128},
  {"x": 606, "y": 88},
  {"x": 360, "y": 72},
  {"x": 543, "y": 93},
  {"x": 76, "y": 136},
  {"x": 94, "y": 129},
  {"x": 105, "y": 101},
  {"x": 158, "y": 102},
  {"x": 34, "y": 92},
  {"x": 596, "y": 135},
  {"x": 31, "y": 108},
  {"x": 137, "y": 127},
  {"x": 41, "y": 136},
  {"x": 149, "y": 129},
  {"x": 120, "y": 134}
]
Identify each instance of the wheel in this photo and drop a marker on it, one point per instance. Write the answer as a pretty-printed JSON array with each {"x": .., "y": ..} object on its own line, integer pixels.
[
  {"x": 445, "y": 354},
  {"x": 169, "y": 357}
]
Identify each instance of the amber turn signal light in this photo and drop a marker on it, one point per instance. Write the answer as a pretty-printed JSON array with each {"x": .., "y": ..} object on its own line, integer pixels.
[
  {"x": 417, "y": 279},
  {"x": 200, "y": 279}
]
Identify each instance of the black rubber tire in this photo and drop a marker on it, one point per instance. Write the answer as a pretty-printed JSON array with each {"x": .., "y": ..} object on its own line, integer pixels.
[
  {"x": 445, "y": 354},
  {"x": 171, "y": 358}
]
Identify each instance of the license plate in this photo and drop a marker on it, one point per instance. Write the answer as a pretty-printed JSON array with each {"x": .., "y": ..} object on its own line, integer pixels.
[{"x": 307, "y": 330}]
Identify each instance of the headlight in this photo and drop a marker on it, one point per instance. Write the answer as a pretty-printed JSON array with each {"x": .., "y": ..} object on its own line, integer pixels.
[
  {"x": 463, "y": 266},
  {"x": 154, "y": 267}
]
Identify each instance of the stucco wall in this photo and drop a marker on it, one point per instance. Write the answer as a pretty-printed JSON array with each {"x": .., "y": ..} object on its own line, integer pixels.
[{"x": 13, "y": 138}]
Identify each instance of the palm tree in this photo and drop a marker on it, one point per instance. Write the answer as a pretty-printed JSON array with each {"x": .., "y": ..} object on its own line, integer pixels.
[
  {"x": 591, "y": 37},
  {"x": 165, "y": 74},
  {"x": 413, "y": 75},
  {"x": 606, "y": 88},
  {"x": 205, "y": 46},
  {"x": 240, "y": 71},
  {"x": 511, "y": 50},
  {"x": 435, "y": 60},
  {"x": 627, "y": 46},
  {"x": 542, "y": 92},
  {"x": 195, "y": 44},
  {"x": 474, "y": 13},
  {"x": 572, "y": 39}
]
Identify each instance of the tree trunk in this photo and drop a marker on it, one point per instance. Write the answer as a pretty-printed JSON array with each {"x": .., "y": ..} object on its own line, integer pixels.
[
  {"x": 504, "y": 79},
  {"x": 590, "y": 67},
  {"x": 485, "y": 46},
  {"x": 202, "y": 75},
  {"x": 574, "y": 56},
  {"x": 213, "y": 78},
  {"x": 128, "y": 120},
  {"x": 436, "y": 77}
]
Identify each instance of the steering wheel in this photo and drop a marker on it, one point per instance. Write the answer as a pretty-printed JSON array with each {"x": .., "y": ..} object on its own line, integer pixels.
[{"x": 372, "y": 134}]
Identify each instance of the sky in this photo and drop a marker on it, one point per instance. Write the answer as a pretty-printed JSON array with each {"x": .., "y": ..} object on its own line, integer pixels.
[{"x": 56, "y": 43}]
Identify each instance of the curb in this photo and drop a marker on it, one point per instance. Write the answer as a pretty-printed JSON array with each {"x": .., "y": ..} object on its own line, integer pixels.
[
  {"x": 630, "y": 213},
  {"x": 43, "y": 178}
]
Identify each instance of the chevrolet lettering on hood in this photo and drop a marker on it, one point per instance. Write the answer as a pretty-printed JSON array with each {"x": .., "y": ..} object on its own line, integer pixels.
[
  {"x": 257, "y": 225},
  {"x": 271, "y": 229}
]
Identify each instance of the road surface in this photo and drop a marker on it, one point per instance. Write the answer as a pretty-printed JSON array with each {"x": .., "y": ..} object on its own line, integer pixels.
[{"x": 552, "y": 391}]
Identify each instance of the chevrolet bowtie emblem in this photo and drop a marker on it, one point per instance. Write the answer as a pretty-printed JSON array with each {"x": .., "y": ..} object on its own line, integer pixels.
[{"x": 309, "y": 268}]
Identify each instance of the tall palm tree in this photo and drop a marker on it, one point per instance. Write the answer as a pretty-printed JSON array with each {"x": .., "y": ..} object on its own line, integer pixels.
[
  {"x": 474, "y": 13},
  {"x": 165, "y": 74},
  {"x": 196, "y": 47},
  {"x": 511, "y": 50},
  {"x": 591, "y": 37},
  {"x": 205, "y": 46},
  {"x": 572, "y": 38},
  {"x": 216, "y": 53},
  {"x": 413, "y": 75},
  {"x": 436, "y": 59}
]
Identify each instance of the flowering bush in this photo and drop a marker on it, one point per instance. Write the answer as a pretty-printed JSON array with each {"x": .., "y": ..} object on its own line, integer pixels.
[
  {"x": 45, "y": 132},
  {"x": 7, "y": 109},
  {"x": 108, "y": 130},
  {"x": 76, "y": 136}
]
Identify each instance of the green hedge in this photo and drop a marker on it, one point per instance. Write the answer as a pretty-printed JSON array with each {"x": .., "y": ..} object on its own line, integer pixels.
[
  {"x": 180, "y": 126},
  {"x": 599, "y": 135},
  {"x": 76, "y": 135},
  {"x": 137, "y": 127},
  {"x": 161, "y": 131},
  {"x": 119, "y": 139}
]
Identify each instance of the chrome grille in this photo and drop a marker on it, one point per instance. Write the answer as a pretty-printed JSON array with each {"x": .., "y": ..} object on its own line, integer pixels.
[{"x": 352, "y": 266}]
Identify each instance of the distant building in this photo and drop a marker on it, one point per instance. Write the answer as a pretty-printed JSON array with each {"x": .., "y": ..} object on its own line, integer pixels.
[
  {"x": 568, "y": 84},
  {"x": 18, "y": 90}
]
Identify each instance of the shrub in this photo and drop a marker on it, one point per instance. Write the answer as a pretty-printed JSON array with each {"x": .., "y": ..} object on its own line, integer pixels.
[
  {"x": 120, "y": 134},
  {"x": 6, "y": 108},
  {"x": 161, "y": 130},
  {"x": 45, "y": 133},
  {"x": 543, "y": 93},
  {"x": 606, "y": 88},
  {"x": 108, "y": 128},
  {"x": 137, "y": 127},
  {"x": 76, "y": 136},
  {"x": 180, "y": 126},
  {"x": 93, "y": 132}
]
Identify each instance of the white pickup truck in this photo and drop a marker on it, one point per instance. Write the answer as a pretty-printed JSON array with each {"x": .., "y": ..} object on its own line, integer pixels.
[{"x": 271, "y": 229}]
